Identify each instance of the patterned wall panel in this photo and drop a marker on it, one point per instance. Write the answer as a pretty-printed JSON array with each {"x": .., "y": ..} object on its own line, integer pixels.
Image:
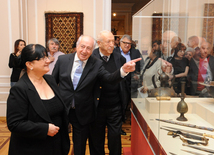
[{"x": 66, "y": 27}]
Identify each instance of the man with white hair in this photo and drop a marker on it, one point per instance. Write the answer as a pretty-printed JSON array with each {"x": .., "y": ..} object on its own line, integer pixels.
[
  {"x": 170, "y": 41},
  {"x": 112, "y": 100}
]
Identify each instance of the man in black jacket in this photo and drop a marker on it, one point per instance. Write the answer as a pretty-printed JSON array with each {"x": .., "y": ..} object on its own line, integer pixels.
[
  {"x": 113, "y": 100},
  {"x": 201, "y": 70},
  {"x": 130, "y": 53}
]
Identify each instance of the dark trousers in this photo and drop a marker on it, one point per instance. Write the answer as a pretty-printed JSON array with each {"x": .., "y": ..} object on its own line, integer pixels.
[
  {"x": 80, "y": 133},
  {"x": 112, "y": 118}
]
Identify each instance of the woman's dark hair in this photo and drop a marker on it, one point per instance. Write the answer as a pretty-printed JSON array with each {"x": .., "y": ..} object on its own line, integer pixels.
[
  {"x": 179, "y": 47},
  {"x": 157, "y": 41},
  {"x": 32, "y": 52},
  {"x": 16, "y": 45}
]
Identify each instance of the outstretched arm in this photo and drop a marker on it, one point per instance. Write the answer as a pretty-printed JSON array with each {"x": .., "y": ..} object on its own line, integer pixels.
[{"x": 130, "y": 66}]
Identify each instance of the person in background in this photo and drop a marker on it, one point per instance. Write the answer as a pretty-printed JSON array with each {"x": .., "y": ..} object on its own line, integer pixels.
[
  {"x": 174, "y": 43},
  {"x": 74, "y": 47},
  {"x": 36, "y": 114},
  {"x": 150, "y": 72},
  {"x": 13, "y": 61},
  {"x": 116, "y": 41},
  {"x": 189, "y": 53},
  {"x": 201, "y": 68},
  {"x": 76, "y": 75},
  {"x": 53, "y": 46},
  {"x": 181, "y": 68},
  {"x": 169, "y": 41},
  {"x": 193, "y": 42},
  {"x": 134, "y": 44},
  {"x": 112, "y": 100},
  {"x": 130, "y": 53},
  {"x": 156, "y": 45},
  {"x": 133, "y": 79}
]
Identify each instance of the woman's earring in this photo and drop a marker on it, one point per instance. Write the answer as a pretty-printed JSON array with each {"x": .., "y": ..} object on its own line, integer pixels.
[{"x": 31, "y": 69}]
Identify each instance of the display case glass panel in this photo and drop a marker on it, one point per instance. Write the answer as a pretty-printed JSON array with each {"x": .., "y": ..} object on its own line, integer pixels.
[{"x": 179, "y": 32}]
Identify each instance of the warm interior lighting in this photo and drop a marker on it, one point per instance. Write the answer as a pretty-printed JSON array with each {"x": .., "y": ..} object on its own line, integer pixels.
[{"x": 114, "y": 14}]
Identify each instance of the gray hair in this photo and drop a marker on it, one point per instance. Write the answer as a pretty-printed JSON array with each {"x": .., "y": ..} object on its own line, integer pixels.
[
  {"x": 126, "y": 36},
  {"x": 79, "y": 39},
  {"x": 54, "y": 40},
  {"x": 190, "y": 49},
  {"x": 99, "y": 37}
]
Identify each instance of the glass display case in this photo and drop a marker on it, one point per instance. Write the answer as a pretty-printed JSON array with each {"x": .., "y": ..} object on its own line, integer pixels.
[{"x": 174, "y": 108}]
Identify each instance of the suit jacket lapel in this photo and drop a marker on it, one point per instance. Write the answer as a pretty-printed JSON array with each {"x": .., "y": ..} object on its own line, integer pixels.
[
  {"x": 88, "y": 67},
  {"x": 35, "y": 100},
  {"x": 117, "y": 60},
  {"x": 96, "y": 53},
  {"x": 115, "y": 54}
]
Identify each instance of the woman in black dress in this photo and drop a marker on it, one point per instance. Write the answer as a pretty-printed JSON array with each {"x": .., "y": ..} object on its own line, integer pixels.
[
  {"x": 36, "y": 114},
  {"x": 13, "y": 61},
  {"x": 181, "y": 67}
]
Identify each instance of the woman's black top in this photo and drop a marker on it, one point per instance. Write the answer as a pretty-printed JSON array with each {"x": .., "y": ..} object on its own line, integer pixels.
[
  {"x": 179, "y": 65},
  {"x": 13, "y": 63},
  {"x": 54, "y": 108}
]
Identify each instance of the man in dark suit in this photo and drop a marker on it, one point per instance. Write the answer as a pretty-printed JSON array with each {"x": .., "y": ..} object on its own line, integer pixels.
[
  {"x": 80, "y": 98},
  {"x": 132, "y": 80},
  {"x": 201, "y": 69},
  {"x": 112, "y": 103},
  {"x": 130, "y": 53}
]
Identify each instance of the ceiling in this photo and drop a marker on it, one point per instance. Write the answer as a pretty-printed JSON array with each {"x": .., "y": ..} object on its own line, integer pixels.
[{"x": 136, "y": 5}]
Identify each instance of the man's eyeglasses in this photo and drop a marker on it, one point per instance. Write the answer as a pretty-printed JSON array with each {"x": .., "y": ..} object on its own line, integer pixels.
[{"x": 126, "y": 43}]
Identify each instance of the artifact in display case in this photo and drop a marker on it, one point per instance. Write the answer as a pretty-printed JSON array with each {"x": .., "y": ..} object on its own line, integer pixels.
[
  {"x": 189, "y": 138},
  {"x": 165, "y": 89},
  {"x": 187, "y": 125},
  {"x": 192, "y": 152},
  {"x": 209, "y": 88},
  {"x": 196, "y": 133},
  {"x": 182, "y": 107},
  {"x": 200, "y": 148},
  {"x": 178, "y": 133}
]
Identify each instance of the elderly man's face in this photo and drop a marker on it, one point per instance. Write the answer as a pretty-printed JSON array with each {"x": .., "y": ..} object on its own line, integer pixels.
[
  {"x": 190, "y": 43},
  {"x": 106, "y": 44},
  {"x": 174, "y": 42},
  {"x": 53, "y": 47},
  {"x": 205, "y": 50},
  {"x": 85, "y": 48},
  {"x": 166, "y": 43},
  {"x": 125, "y": 45}
]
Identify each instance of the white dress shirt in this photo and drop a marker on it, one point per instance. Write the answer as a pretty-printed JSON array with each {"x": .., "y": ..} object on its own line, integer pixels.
[{"x": 76, "y": 64}]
